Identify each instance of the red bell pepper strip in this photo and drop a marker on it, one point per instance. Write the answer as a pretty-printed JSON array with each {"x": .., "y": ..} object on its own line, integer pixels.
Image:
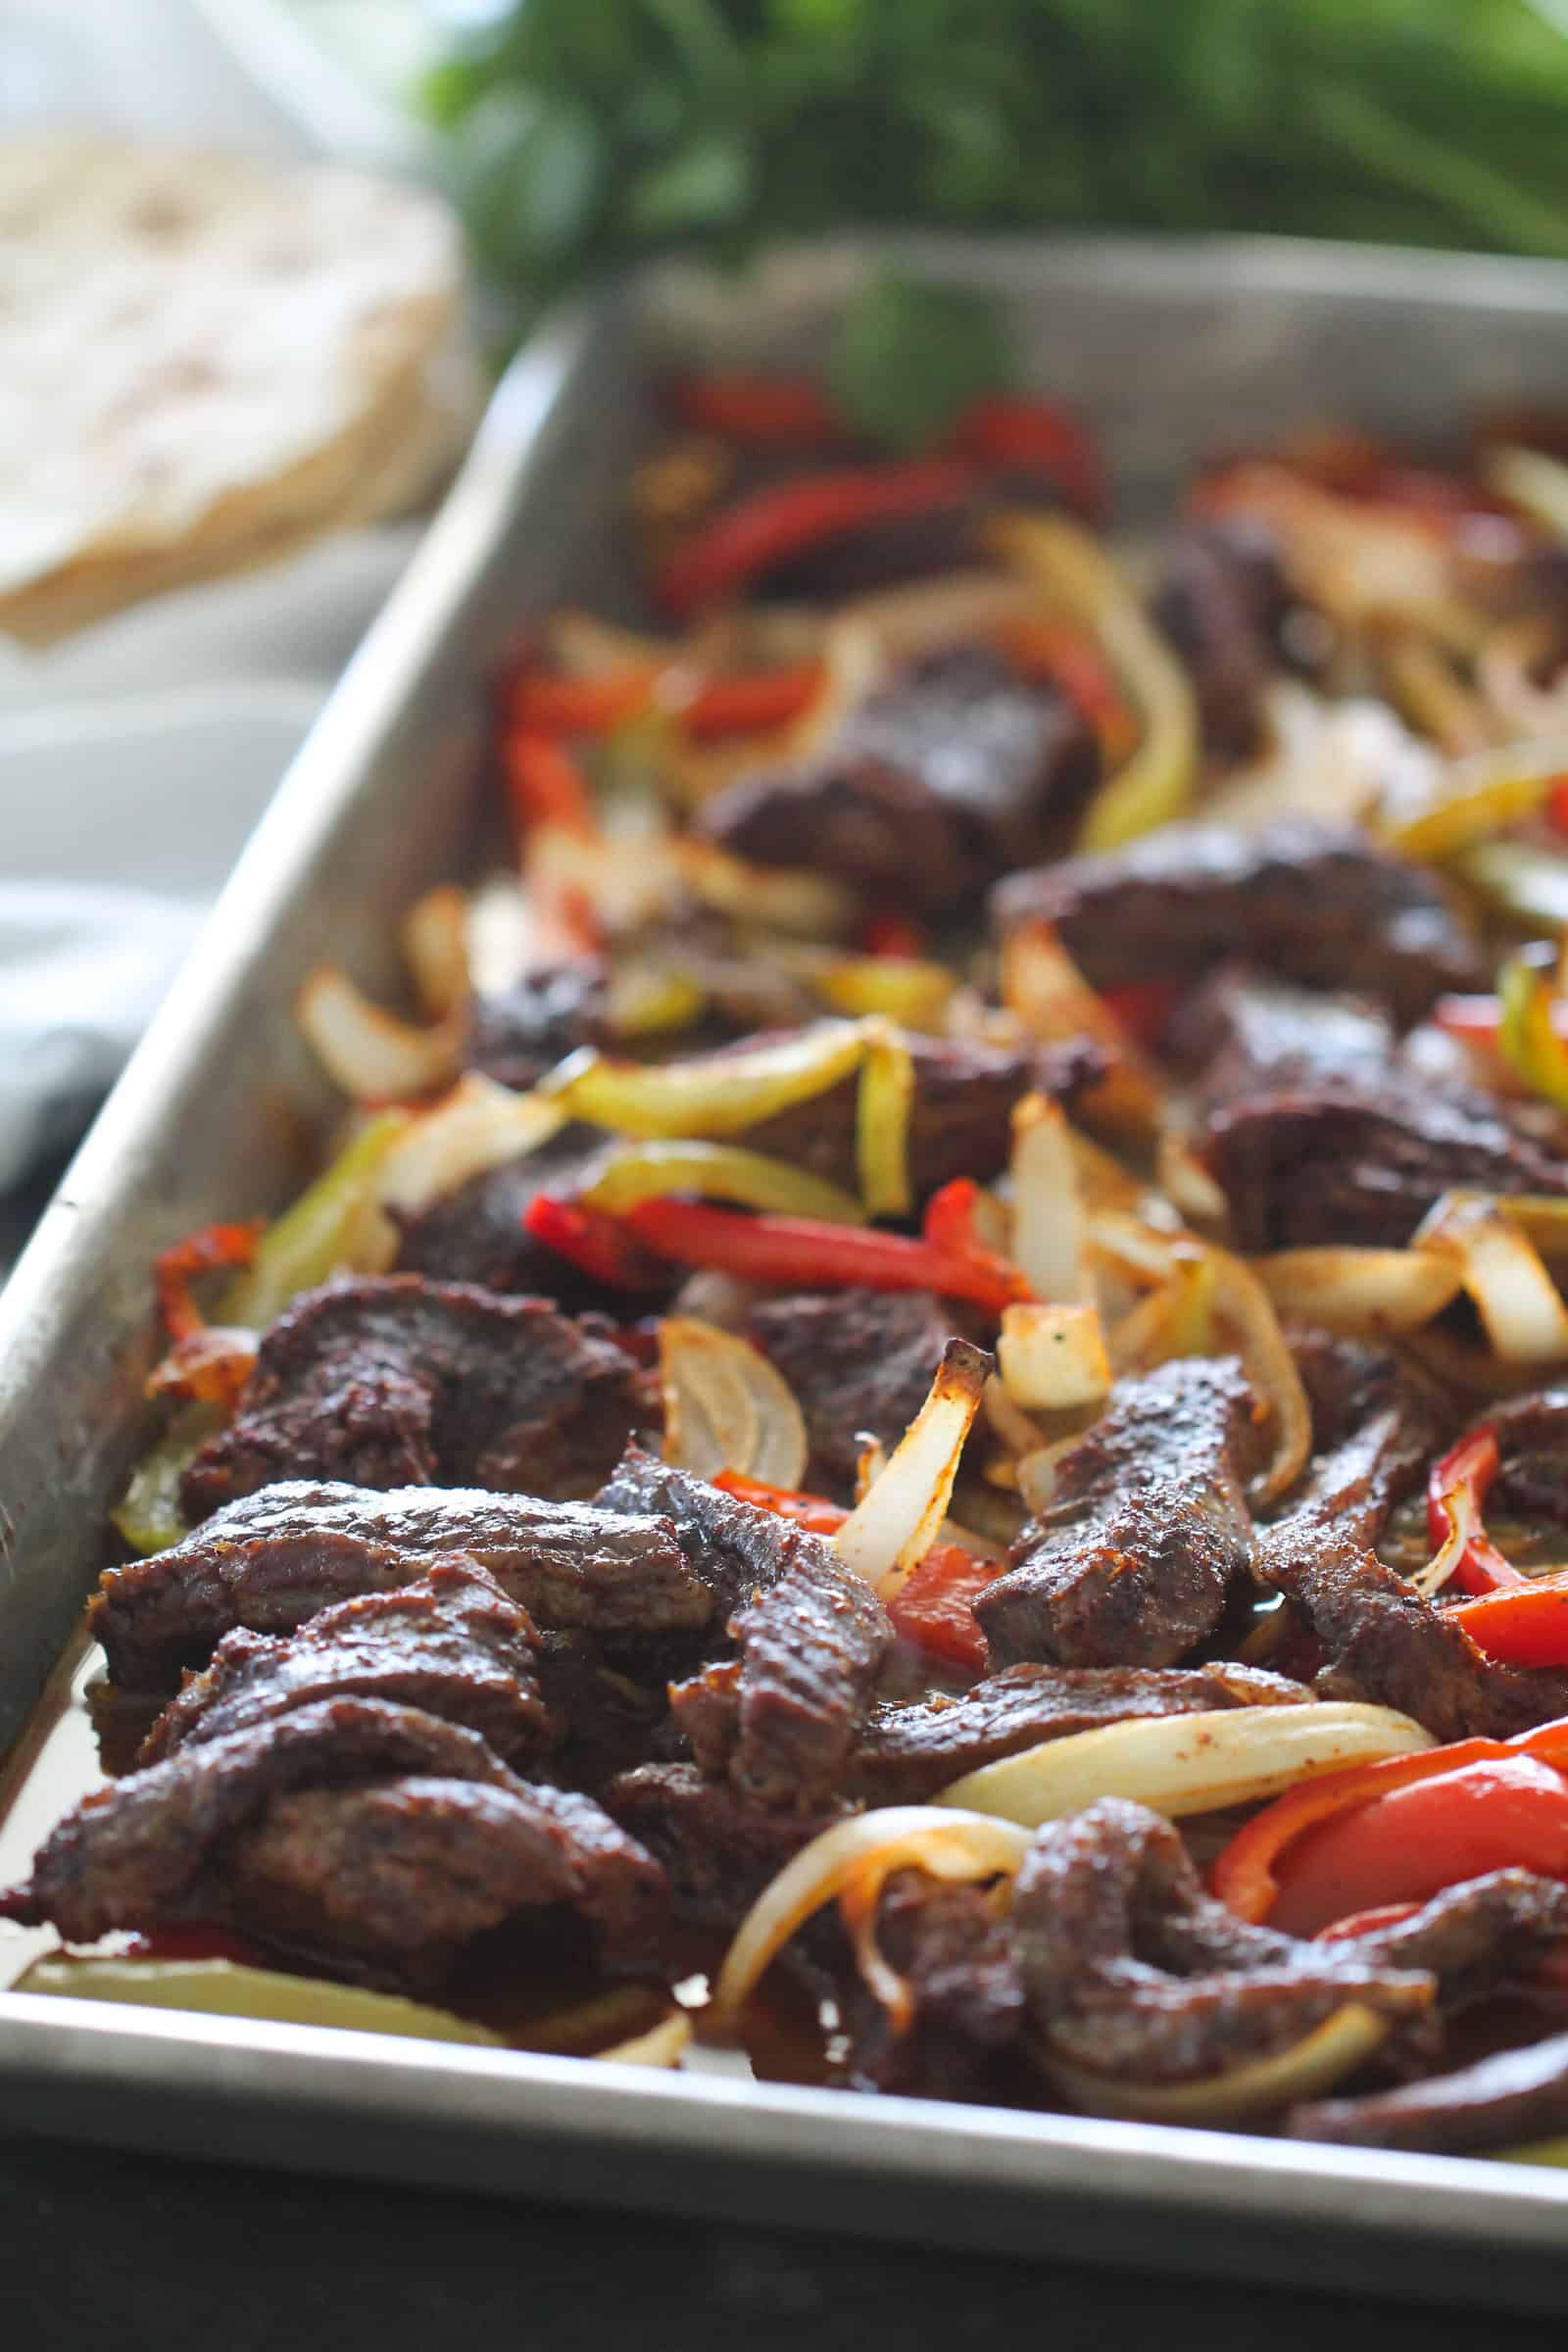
[
  {"x": 541, "y": 702},
  {"x": 891, "y": 935},
  {"x": 758, "y": 412},
  {"x": 721, "y": 557},
  {"x": 1035, "y": 434},
  {"x": 1244, "y": 1873},
  {"x": 1456, "y": 1494},
  {"x": 1069, "y": 659},
  {"x": 804, "y": 1253},
  {"x": 934, "y": 1609},
  {"x": 546, "y": 785},
  {"x": 202, "y": 1253},
  {"x": 1527, "y": 1625},
  {"x": 597, "y": 1245},
  {"x": 751, "y": 705},
  {"x": 1557, "y": 804}
]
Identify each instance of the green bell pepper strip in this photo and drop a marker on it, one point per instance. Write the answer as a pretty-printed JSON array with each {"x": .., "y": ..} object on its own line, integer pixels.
[
  {"x": 717, "y": 1172},
  {"x": 309, "y": 1241},
  {"x": 224, "y": 1989}
]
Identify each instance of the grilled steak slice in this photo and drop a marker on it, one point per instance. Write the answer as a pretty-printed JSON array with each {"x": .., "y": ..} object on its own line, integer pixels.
[
  {"x": 1479, "y": 1938},
  {"x": 1318, "y": 905},
  {"x": 1375, "y": 1428},
  {"x": 777, "y": 1719},
  {"x": 954, "y": 771},
  {"x": 1240, "y": 1035},
  {"x": 960, "y": 1120},
  {"x": 1130, "y": 1969},
  {"x": 1512, "y": 2098},
  {"x": 272, "y": 1559},
  {"x": 964, "y": 1996},
  {"x": 1532, "y": 1481},
  {"x": 858, "y": 1361},
  {"x": 1221, "y": 597},
  {"x": 1386, "y": 1644},
  {"x": 399, "y": 1876},
  {"x": 1130, "y": 1562},
  {"x": 452, "y": 1645},
  {"x": 908, "y": 1754},
  {"x": 376, "y": 1835},
  {"x": 1333, "y": 1164},
  {"x": 719, "y": 1847},
  {"x": 476, "y": 1234},
  {"x": 520, "y": 1032},
  {"x": 395, "y": 1381}
]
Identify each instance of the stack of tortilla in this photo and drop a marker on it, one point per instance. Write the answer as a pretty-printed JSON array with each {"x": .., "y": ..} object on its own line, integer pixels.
[{"x": 204, "y": 363}]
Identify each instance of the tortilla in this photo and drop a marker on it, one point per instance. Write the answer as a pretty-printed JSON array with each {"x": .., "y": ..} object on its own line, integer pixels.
[{"x": 205, "y": 362}]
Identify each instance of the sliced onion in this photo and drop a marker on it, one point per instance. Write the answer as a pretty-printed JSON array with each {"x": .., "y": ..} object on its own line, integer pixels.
[
  {"x": 1012, "y": 1425},
  {"x": 1175, "y": 1319},
  {"x": 780, "y": 897},
  {"x": 1270, "y": 1367},
  {"x": 1322, "y": 2058},
  {"x": 478, "y": 1125},
  {"x": 725, "y": 1407},
  {"x": 952, "y": 609},
  {"x": 895, "y": 1523},
  {"x": 1187, "y": 1763},
  {"x": 944, "y": 1843},
  {"x": 1185, "y": 1180},
  {"x": 1361, "y": 1290},
  {"x": 369, "y": 1052},
  {"x": 1052, "y": 1357},
  {"x": 624, "y": 881},
  {"x": 1037, "y": 1472},
  {"x": 1044, "y": 986},
  {"x": 1516, "y": 1299},
  {"x": 1531, "y": 480},
  {"x": 1049, "y": 1228},
  {"x": 664, "y": 2045},
  {"x": 435, "y": 948}
]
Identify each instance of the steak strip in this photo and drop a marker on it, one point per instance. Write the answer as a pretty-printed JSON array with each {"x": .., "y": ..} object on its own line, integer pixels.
[
  {"x": 1515, "y": 2097},
  {"x": 1148, "y": 1528},
  {"x": 274, "y": 1559}
]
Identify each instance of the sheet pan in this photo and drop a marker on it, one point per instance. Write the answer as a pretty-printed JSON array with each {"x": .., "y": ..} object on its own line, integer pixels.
[{"x": 1172, "y": 349}]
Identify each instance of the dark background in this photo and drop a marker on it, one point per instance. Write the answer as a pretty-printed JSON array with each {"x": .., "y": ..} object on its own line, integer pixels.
[{"x": 117, "y": 2252}]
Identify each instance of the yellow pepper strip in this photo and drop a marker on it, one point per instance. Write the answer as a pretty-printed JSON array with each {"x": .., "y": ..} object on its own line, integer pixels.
[
  {"x": 718, "y": 1172},
  {"x": 1539, "y": 2151},
  {"x": 1480, "y": 795},
  {"x": 882, "y": 1125},
  {"x": 313, "y": 1238},
  {"x": 1157, "y": 784},
  {"x": 901, "y": 988},
  {"x": 710, "y": 1095},
  {"x": 1527, "y": 987},
  {"x": 148, "y": 1514},
  {"x": 224, "y": 1988},
  {"x": 1519, "y": 879},
  {"x": 646, "y": 1001}
]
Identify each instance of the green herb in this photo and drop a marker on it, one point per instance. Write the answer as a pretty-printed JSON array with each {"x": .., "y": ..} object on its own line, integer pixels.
[
  {"x": 909, "y": 354},
  {"x": 587, "y": 132}
]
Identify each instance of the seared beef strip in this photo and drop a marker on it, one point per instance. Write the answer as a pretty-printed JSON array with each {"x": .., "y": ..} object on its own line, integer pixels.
[
  {"x": 375, "y": 1834},
  {"x": 1504, "y": 2101},
  {"x": 1339, "y": 1165},
  {"x": 452, "y": 1645},
  {"x": 476, "y": 1234},
  {"x": 1532, "y": 1481},
  {"x": 1319, "y": 904},
  {"x": 1240, "y": 1035},
  {"x": 394, "y": 1381},
  {"x": 522, "y": 1031},
  {"x": 1376, "y": 1430},
  {"x": 1148, "y": 1528},
  {"x": 954, "y": 771},
  {"x": 272, "y": 1559},
  {"x": 1221, "y": 597},
  {"x": 907, "y": 1754},
  {"x": 1478, "y": 1939},
  {"x": 779, "y": 1718},
  {"x": 856, "y": 1361},
  {"x": 719, "y": 1847},
  {"x": 960, "y": 1965},
  {"x": 1131, "y": 1970},
  {"x": 960, "y": 1120}
]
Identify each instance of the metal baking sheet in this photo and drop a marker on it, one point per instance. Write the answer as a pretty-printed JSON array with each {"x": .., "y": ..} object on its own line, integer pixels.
[{"x": 1173, "y": 350}]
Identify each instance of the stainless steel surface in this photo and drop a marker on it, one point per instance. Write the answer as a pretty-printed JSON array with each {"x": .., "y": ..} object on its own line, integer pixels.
[{"x": 1172, "y": 350}]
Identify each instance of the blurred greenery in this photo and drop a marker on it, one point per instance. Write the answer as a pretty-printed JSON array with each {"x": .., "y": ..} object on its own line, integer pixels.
[{"x": 586, "y": 132}]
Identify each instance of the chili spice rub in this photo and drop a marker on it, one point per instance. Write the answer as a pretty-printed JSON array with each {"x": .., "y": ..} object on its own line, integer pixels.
[{"x": 935, "y": 1369}]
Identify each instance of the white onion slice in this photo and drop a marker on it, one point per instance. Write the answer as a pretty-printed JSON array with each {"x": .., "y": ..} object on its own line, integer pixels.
[
  {"x": 1516, "y": 1299},
  {"x": 1049, "y": 1224},
  {"x": 897, "y": 1521},
  {"x": 1187, "y": 1763},
  {"x": 1044, "y": 986},
  {"x": 1309, "y": 2066},
  {"x": 944, "y": 1843},
  {"x": 478, "y": 1125},
  {"x": 435, "y": 948},
  {"x": 1269, "y": 1365},
  {"x": 369, "y": 1052},
  {"x": 664, "y": 2045},
  {"x": 1361, "y": 1290},
  {"x": 1052, "y": 1357},
  {"x": 725, "y": 1407}
]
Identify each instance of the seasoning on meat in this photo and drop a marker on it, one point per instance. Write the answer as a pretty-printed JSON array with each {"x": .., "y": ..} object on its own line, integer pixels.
[
  {"x": 452, "y": 1645},
  {"x": 376, "y": 1837},
  {"x": 958, "y": 1963},
  {"x": 395, "y": 1381},
  {"x": 274, "y": 1559},
  {"x": 475, "y": 1234},
  {"x": 780, "y": 1717},
  {"x": 954, "y": 773},
  {"x": 907, "y": 1752},
  {"x": 1318, "y": 905},
  {"x": 1375, "y": 1426},
  {"x": 1131, "y": 1561},
  {"x": 719, "y": 1847}
]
